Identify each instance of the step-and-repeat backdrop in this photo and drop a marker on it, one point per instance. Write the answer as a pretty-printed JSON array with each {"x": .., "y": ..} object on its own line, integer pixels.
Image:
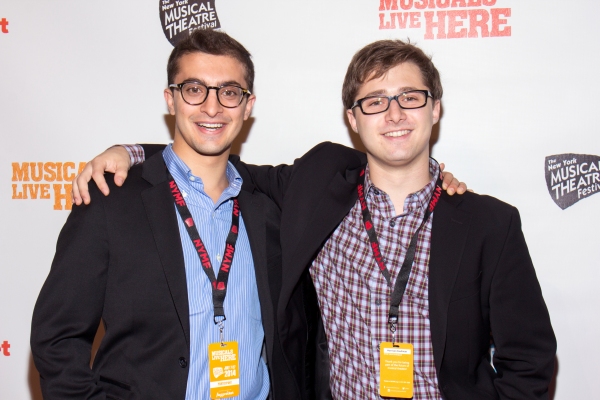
[{"x": 519, "y": 122}]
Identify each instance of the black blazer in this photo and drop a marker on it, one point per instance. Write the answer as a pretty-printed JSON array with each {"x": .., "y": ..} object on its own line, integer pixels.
[
  {"x": 481, "y": 282},
  {"x": 481, "y": 278},
  {"x": 120, "y": 260}
]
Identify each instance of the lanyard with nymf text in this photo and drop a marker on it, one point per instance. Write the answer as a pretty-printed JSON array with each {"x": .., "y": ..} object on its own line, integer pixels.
[
  {"x": 402, "y": 279},
  {"x": 219, "y": 283}
]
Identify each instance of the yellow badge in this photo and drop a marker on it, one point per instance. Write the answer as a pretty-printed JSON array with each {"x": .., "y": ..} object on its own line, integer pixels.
[
  {"x": 396, "y": 367},
  {"x": 224, "y": 370}
]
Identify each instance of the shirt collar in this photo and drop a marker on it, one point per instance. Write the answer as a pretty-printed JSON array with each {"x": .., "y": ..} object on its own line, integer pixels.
[
  {"x": 419, "y": 198},
  {"x": 188, "y": 181}
]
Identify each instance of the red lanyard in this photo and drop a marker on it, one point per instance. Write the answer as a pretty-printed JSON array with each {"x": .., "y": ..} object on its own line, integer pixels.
[
  {"x": 402, "y": 279},
  {"x": 219, "y": 284}
]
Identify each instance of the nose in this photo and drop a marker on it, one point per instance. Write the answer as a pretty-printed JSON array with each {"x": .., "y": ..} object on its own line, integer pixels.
[
  {"x": 395, "y": 113},
  {"x": 211, "y": 105}
]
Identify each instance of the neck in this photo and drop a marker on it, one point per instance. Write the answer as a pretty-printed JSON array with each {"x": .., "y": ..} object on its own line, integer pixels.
[
  {"x": 211, "y": 169},
  {"x": 399, "y": 181}
]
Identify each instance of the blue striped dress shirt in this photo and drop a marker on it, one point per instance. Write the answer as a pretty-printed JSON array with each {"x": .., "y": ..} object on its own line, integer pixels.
[{"x": 242, "y": 307}]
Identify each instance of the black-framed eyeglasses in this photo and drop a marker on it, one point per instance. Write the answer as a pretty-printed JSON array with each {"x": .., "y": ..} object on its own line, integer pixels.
[
  {"x": 378, "y": 104},
  {"x": 194, "y": 93}
]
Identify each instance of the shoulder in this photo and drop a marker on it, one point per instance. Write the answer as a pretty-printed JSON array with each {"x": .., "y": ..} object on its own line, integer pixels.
[
  {"x": 328, "y": 149},
  {"x": 486, "y": 202},
  {"x": 324, "y": 151},
  {"x": 328, "y": 156},
  {"x": 478, "y": 223},
  {"x": 134, "y": 184},
  {"x": 483, "y": 209}
]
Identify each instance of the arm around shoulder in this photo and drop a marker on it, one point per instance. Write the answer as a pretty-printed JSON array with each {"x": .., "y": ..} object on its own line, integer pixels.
[
  {"x": 151, "y": 149},
  {"x": 322, "y": 160}
]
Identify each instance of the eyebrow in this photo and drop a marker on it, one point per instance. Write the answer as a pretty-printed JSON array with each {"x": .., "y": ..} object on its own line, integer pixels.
[
  {"x": 382, "y": 92},
  {"x": 219, "y": 84}
]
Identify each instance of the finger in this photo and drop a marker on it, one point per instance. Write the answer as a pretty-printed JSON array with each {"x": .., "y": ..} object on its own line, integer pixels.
[
  {"x": 462, "y": 187},
  {"x": 75, "y": 197},
  {"x": 452, "y": 187},
  {"x": 79, "y": 189},
  {"x": 447, "y": 179},
  {"x": 456, "y": 187},
  {"x": 121, "y": 174},
  {"x": 80, "y": 186},
  {"x": 98, "y": 177}
]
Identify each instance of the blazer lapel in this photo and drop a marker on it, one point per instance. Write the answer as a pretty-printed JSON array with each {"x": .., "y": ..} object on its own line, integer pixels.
[
  {"x": 163, "y": 222},
  {"x": 448, "y": 239},
  {"x": 339, "y": 197},
  {"x": 253, "y": 213}
]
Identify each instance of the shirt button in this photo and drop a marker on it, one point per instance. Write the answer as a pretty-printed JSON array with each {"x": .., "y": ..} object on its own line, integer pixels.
[
  {"x": 182, "y": 362},
  {"x": 376, "y": 192},
  {"x": 378, "y": 302},
  {"x": 192, "y": 178},
  {"x": 392, "y": 223}
]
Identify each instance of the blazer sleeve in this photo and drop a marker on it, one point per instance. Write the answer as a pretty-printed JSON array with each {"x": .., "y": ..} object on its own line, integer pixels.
[
  {"x": 69, "y": 307},
  {"x": 273, "y": 181},
  {"x": 151, "y": 149},
  {"x": 314, "y": 166},
  {"x": 525, "y": 345}
]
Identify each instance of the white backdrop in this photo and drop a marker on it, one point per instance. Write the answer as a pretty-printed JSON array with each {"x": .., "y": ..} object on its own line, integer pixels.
[{"x": 78, "y": 76}]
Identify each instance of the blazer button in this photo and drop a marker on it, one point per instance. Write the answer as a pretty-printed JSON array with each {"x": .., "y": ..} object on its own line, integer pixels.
[{"x": 182, "y": 362}]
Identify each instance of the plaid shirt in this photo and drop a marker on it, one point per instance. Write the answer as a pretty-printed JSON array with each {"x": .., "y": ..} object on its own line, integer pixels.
[
  {"x": 355, "y": 299},
  {"x": 136, "y": 153}
]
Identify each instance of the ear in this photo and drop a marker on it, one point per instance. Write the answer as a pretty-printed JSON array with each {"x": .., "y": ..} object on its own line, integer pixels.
[
  {"x": 170, "y": 100},
  {"x": 436, "y": 111},
  {"x": 249, "y": 105},
  {"x": 352, "y": 120}
]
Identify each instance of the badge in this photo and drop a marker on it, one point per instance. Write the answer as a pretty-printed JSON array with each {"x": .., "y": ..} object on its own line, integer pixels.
[
  {"x": 396, "y": 366},
  {"x": 224, "y": 368}
]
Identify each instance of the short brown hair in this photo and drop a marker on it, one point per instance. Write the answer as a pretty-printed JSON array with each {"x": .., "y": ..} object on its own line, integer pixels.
[
  {"x": 211, "y": 42},
  {"x": 377, "y": 58}
]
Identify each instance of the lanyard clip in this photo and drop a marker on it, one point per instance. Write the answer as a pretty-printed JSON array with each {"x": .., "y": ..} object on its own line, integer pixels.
[
  {"x": 393, "y": 322},
  {"x": 220, "y": 322},
  {"x": 221, "y": 326}
]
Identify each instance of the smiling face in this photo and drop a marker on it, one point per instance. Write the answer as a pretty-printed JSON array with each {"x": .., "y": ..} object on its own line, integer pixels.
[
  {"x": 396, "y": 137},
  {"x": 207, "y": 129}
]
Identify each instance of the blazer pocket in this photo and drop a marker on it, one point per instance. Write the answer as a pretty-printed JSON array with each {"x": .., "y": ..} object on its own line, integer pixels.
[
  {"x": 467, "y": 289},
  {"x": 115, "y": 390}
]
